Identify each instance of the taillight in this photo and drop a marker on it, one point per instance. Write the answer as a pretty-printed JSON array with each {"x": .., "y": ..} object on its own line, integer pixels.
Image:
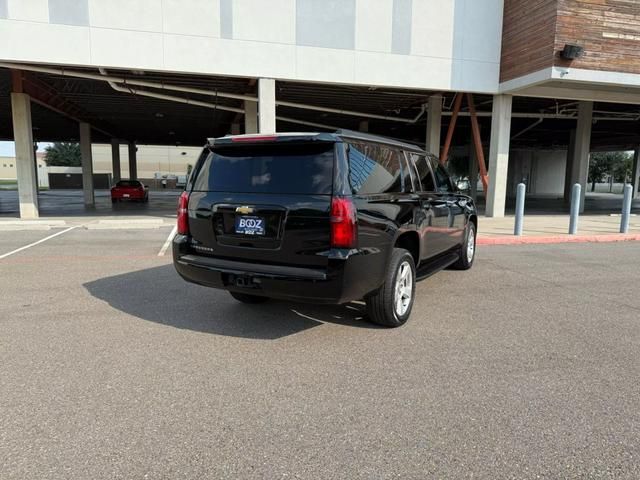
[
  {"x": 343, "y": 223},
  {"x": 183, "y": 214}
]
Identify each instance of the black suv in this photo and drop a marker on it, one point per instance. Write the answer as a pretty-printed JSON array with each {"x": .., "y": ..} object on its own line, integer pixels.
[{"x": 321, "y": 218}]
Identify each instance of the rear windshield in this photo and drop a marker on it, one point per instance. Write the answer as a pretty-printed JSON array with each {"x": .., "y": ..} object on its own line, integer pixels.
[
  {"x": 128, "y": 183},
  {"x": 305, "y": 169}
]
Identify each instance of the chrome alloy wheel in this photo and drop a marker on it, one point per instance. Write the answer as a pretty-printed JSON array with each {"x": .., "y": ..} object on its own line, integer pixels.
[
  {"x": 471, "y": 245},
  {"x": 404, "y": 289}
]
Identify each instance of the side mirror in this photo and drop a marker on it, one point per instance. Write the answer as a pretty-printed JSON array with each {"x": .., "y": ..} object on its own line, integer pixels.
[{"x": 463, "y": 185}]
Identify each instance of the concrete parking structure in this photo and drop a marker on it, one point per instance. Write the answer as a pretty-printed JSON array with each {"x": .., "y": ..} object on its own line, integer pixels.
[{"x": 522, "y": 91}]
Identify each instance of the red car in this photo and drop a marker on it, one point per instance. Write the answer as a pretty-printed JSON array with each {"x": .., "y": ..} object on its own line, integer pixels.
[{"x": 129, "y": 190}]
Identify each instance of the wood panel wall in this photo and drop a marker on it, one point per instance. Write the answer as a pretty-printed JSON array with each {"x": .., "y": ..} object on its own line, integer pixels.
[
  {"x": 528, "y": 37},
  {"x": 609, "y": 31},
  {"x": 535, "y": 31}
]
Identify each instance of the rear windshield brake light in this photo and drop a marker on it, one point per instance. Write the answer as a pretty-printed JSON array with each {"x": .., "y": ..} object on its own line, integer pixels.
[{"x": 255, "y": 138}]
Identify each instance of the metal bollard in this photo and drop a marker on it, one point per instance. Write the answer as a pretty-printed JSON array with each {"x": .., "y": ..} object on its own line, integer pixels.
[
  {"x": 575, "y": 209},
  {"x": 521, "y": 192},
  {"x": 626, "y": 208}
]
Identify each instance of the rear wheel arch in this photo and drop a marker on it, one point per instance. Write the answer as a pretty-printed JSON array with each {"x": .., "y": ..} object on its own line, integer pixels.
[
  {"x": 410, "y": 241},
  {"x": 473, "y": 218}
]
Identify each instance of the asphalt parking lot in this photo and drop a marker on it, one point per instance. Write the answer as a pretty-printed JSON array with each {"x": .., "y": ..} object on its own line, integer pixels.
[{"x": 111, "y": 366}]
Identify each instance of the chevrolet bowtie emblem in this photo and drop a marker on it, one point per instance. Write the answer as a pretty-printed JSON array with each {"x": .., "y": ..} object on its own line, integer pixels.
[{"x": 244, "y": 210}]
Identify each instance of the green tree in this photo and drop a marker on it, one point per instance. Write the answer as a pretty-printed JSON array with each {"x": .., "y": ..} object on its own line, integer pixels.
[
  {"x": 63, "y": 154},
  {"x": 623, "y": 170},
  {"x": 617, "y": 164},
  {"x": 599, "y": 166}
]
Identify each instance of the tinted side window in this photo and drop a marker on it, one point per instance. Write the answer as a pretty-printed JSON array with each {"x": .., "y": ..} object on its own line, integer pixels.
[
  {"x": 411, "y": 179},
  {"x": 424, "y": 173},
  {"x": 442, "y": 176},
  {"x": 374, "y": 169}
]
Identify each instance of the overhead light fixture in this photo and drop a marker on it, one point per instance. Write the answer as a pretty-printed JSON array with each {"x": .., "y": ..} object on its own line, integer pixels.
[
  {"x": 172, "y": 132},
  {"x": 159, "y": 115},
  {"x": 571, "y": 51}
]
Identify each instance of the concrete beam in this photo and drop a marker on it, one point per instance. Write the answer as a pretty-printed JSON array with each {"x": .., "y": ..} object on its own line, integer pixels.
[
  {"x": 266, "y": 105},
  {"x": 635, "y": 179},
  {"x": 250, "y": 117},
  {"x": 574, "y": 92},
  {"x": 25, "y": 160},
  {"x": 499, "y": 155},
  {"x": 115, "y": 159},
  {"x": 133, "y": 161},
  {"x": 87, "y": 165},
  {"x": 434, "y": 124},
  {"x": 580, "y": 158},
  {"x": 49, "y": 97}
]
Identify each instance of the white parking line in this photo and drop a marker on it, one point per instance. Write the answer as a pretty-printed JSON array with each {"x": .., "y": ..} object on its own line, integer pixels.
[
  {"x": 36, "y": 243},
  {"x": 164, "y": 248}
]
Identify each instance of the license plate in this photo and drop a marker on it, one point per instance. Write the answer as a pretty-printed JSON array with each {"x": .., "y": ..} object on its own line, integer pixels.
[
  {"x": 125, "y": 195},
  {"x": 246, "y": 225}
]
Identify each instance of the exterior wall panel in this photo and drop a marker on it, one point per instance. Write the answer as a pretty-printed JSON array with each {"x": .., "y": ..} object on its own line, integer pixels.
[
  {"x": 432, "y": 45},
  {"x": 609, "y": 31},
  {"x": 535, "y": 31},
  {"x": 528, "y": 37}
]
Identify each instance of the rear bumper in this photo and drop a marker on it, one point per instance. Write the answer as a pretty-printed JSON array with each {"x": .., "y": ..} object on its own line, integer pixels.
[{"x": 340, "y": 282}]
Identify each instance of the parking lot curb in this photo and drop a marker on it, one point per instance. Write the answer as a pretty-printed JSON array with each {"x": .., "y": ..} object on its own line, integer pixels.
[
  {"x": 19, "y": 225},
  {"x": 126, "y": 224},
  {"x": 542, "y": 239}
]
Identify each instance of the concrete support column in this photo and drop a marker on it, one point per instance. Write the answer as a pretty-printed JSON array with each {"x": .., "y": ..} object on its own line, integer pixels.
[
  {"x": 250, "y": 117},
  {"x": 635, "y": 174},
  {"x": 580, "y": 158},
  {"x": 87, "y": 164},
  {"x": 23, "y": 137},
  {"x": 567, "y": 173},
  {"x": 115, "y": 159},
  {"x": 267, "y": 105},
  {"x": 499, "y": 155},
  {"x": 133, "y": 161},
  {"x": 434, "y": 124}
]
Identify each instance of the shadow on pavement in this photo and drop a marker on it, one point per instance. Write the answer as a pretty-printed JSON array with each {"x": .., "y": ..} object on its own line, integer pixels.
[{"x": 159, "y": 295}]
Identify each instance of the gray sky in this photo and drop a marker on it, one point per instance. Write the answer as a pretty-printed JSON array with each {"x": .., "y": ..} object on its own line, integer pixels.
[{"x": 7, "y": 149}]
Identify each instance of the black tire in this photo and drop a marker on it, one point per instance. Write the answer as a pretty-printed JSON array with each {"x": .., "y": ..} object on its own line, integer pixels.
[
  {"x": 381, "y": 305},
  {"x": 246, "y": 298},
  {"x": 464, "y": 262}
]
